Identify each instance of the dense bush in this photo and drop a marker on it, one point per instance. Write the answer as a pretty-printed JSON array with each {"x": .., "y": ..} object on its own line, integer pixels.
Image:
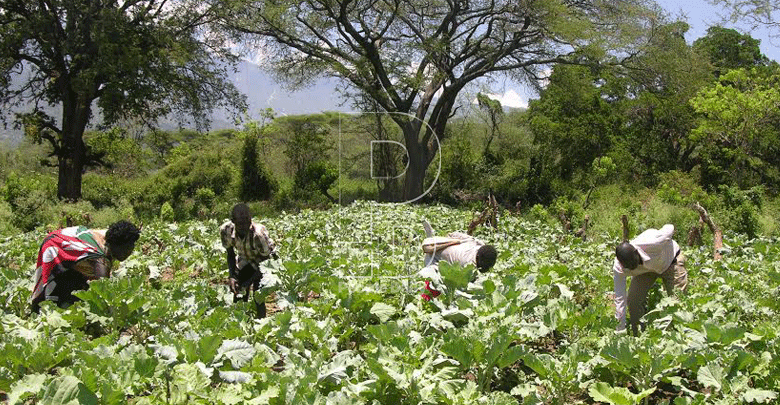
[
  {"x": 742, "y": 209},
  {"x": 566, "y": 209},
  {"x": 123, "y": 155},
  {"x": 316, "y": 178},
  {"x": 29, "y": 197},
  {"x": 166, "y": 212},
  {"x": 257, "y": 182},
  {"x": 108, "y": 190},
  {"x": 458, "y": 170},
  {"x": 179, "y": 182},
  {"x": 7, "y": 227},
  {"x": 186, "y": 174}
]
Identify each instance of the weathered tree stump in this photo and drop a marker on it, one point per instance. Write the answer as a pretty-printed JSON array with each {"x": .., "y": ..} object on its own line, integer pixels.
[
  {"x": 717, "y": 244},
  {"x": 582, "y": 233},
  {"x": 488, "y": 217},
  {"x": 624, "y": 220}
]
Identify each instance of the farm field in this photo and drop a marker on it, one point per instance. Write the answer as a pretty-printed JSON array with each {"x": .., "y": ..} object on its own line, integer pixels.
[{"x": 348, "y": 326}]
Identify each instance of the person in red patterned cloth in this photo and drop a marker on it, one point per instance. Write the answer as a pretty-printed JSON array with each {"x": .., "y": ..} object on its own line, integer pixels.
[
  {"x": 456, "y": 247},
  {"x": 247, "y": 244},
  {"x": 71, "y": 257}
]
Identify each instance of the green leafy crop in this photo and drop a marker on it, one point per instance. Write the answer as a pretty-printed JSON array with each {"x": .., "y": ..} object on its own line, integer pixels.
[{"x": 346, "y": 323}]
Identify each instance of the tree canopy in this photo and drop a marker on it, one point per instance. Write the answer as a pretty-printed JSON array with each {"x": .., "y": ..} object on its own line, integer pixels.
[
  {"x": 728, "y": 49},
  {"x": 756, "y": 13},
  {"x": 414, "y": 57},
  {"x": 738, "y": 134},
  {"x": 134, "y": 58}
]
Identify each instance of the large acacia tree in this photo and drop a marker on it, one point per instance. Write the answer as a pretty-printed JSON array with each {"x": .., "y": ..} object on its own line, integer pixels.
[
  {"x": 128, "y": 59},
  {"x": 413, "y": 57}
]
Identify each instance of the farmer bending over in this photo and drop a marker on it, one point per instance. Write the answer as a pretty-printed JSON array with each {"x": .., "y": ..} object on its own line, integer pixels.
[
  {"x": 457, "y": 247},
  {"x": 650, "y": 255},
  {"x": 247, "y": 244},
  {"x": 70, "y": 257}
]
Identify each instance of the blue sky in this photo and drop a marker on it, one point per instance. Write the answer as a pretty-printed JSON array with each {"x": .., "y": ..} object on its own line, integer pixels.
[{"x": 702, "y": 15}]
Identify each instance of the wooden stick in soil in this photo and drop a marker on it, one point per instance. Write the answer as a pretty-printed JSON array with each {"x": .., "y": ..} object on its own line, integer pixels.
[
  {"x": 582, "y": 233},
  {"x": 716, "y": 232},
  {"x": 624, "y": 220}
]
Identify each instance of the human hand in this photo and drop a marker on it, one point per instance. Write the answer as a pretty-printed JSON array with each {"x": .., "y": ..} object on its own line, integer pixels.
[{"x": 233, "y": 285}]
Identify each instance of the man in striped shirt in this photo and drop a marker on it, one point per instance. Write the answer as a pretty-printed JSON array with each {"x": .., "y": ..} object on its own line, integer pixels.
[{"x": 248, "y": 244}]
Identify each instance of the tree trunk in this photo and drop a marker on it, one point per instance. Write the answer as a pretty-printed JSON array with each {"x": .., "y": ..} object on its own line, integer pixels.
[
  {"x": 73, "y": 156},
  {"x": 422, "y": 142},
  {"x": 415, "y": 174},
  {"x": 387, "y": 164},
  {"x": 71, "y": 168}
]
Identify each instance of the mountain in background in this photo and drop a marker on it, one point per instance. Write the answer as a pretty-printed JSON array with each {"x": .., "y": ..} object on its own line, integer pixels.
[{"x": 261, "y": 90}]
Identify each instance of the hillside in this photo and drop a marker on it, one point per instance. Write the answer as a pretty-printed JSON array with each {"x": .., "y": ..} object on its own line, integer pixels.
[{"x": 261, "y": 91}]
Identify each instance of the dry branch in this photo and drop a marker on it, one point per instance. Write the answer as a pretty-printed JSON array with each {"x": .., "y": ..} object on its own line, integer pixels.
[
  {"x": 695, "y": 233},
  {"x": 717, "y": 244},
  {"x": 582, "y": 233},
  {"x": 565, "y": 222},
  {"x": 488, "y": 217},
  {"x": 624, "y": 220}
]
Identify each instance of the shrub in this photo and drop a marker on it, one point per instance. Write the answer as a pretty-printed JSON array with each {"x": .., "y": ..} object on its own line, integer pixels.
[
  {"x": 682, "y": 189},
  {"x": 179, "y": 182},
  {"x": 257, "y": 183},
  {"x": 316, "y": 177},
  {"x": 30, "y": 198},
  {"x": 569, "y": 208},
  {"x": 166, "y": 212},
  {"x": 204, "y": 202},
  {"x": 744, "y": 219},
  {"x": 7, "y": 227},
  {"x": 539, "y": 213},
  {"x": 205, "y": 196},
  {"x": 125, "y": 155},
  {"x": 106, "y": 216},
  {"x": 511, "y": 182},
  {"x": 356, "y": 189},
  {"x": 742, "y": 209},
  {"x": 106, "y": 190},
  {"x": 458, "y": 170},
  {"x": 72, "y": 214}
]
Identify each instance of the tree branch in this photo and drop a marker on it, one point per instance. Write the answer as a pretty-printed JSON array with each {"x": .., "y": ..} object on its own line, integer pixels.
[
  {"x": 717, "y": 244},
  {"x": 624, "y": 220}
]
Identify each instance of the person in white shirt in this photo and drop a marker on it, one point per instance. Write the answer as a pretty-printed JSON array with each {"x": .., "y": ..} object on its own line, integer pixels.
[
  {"x": 456, "y": 247},
  {"x": 652, "y": 254}
]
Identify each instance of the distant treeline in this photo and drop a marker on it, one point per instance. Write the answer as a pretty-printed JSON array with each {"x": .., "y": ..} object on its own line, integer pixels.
[{"x": 686, "y": 123}]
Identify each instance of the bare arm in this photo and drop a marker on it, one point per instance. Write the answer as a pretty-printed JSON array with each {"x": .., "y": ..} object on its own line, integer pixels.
[
  {"x": 231, "y": 258},
  {"x": 232, "y": 271},
  {"x": 102, "y": 269}
]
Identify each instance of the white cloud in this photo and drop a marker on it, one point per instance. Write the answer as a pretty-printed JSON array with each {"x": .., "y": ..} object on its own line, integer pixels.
[{"x": 510, "y": 98}]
